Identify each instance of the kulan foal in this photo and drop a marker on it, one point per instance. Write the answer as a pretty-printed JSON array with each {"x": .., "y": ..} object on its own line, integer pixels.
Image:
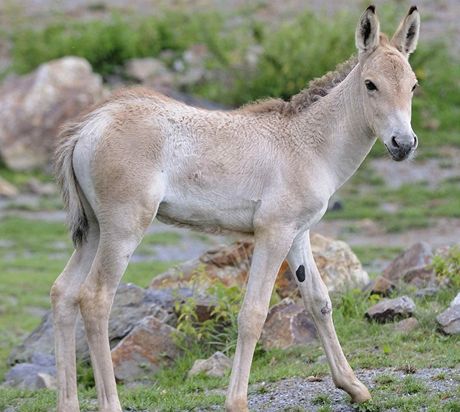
[{"x": 266, "y": 169}]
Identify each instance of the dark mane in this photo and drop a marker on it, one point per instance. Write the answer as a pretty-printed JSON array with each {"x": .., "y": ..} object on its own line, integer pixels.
[{"x": 316, "y": 89}]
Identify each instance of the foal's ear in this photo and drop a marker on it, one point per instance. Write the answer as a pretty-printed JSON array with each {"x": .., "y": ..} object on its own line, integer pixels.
[
  {"x": 406, "y": 36},
  {"x": 368, "y": 31}
]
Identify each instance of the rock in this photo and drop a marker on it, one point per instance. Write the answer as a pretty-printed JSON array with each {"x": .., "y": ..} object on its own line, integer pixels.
[
  {"x": 426, "y": 292},
  {"x": 7, "y": 189},
  {"x": 227, "y": 264},
  {"x": 338, "y": 265},
  {"x": 34, "y": 106},
  {"x": 406, "y": 325},
  {"x": 131, "y": 304},
  {"x": 449, "y": 320},
  {"x": 39, "y": 188},
  {"x": 287, "y": 325},
  {"x": 39, "y": 373},
  {"x": 412, "y": 266},
  {"x": 192, "y": 65},
  {"x": 147, "y": 348},
  {"x": 216, "y": 366},
  {"x": 391, "y": 309},
  {"x": 150, "y": 71},
  {"x": 382, "y": 286}
]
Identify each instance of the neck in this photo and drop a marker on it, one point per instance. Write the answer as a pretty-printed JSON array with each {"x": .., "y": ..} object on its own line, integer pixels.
[{"x": 337, "y": 125}]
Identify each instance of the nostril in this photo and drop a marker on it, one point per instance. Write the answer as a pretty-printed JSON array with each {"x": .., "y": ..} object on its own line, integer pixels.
[
  {"x": 415, "y": 141},
  {"x": 394, "y": 142}
]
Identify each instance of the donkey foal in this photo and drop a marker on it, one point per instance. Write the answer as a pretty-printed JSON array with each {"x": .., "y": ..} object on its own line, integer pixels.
[{"x": 268, "y": 169}]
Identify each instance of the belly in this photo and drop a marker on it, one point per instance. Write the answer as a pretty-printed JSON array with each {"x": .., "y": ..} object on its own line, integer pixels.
[{"x": 209, "y": 215}]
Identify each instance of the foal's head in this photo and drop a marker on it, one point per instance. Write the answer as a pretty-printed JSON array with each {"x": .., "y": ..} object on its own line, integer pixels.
[{"x": 387, "y": 80}]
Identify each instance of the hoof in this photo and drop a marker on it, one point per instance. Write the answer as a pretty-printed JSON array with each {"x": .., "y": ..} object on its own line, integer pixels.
[
  {"x": 360, "y": 393},
  {"x": 237, "y": 406}
]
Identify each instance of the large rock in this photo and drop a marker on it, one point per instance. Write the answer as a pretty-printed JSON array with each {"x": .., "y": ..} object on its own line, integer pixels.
[
  {"x": 412, "y": 266},
  {"x": 287, "y": 325},
  {"x": 38, "y": 374},
  {"x": 131, "y": 304},
  {"x": 147, "y": 348},
  {"x": 391, "y": 309},
  {"x": 216, "y": 366},
  {"x": 338, "y": 265},
  {"x": 34, "y": 106},
  {"x": 449, "y": 320}
]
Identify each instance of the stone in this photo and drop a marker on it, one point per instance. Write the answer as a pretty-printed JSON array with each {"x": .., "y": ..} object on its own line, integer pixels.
[
  {"x": 227, "y": 264},
  {"x": 131, "y": 304},
  {"x": 39, "y": 188},
  {"x": 412, "y": 266},
  {"x": 287, "y": 325},
  {"x": 427, "y": 292},
  {"x": 35, "y": 105},
  {"x": 338, "y": 265},
  {"x": 382, "y": 286},
  {"x": 39, "y": 373},
  {"x": 150, "y": 71},
  {"x": 147, "y": 348},
  {"x": 391, "y": 309},
  {"x": 449, "y": 320},
  {"x": 7, "y": 189},
  {"x": 216, "y": 366},
  {"x": 406, "y": 325}
]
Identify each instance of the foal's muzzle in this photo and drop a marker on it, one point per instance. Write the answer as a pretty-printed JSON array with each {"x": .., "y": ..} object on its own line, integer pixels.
[{"x": 400, "y": 147}]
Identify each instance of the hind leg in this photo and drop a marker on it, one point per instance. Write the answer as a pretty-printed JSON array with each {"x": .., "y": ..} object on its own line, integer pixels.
[
  {"x": 122, "y": 228},
  {"x": 64, "y": 299}
]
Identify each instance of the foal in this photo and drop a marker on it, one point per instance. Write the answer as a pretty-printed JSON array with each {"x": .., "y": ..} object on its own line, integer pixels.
[{"x": 267, "y": 169}]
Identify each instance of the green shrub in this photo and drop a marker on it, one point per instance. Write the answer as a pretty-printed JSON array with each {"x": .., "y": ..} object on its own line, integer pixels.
[
  {"x": 220, "y": 331},
  {"x": 447, "y": 268}
]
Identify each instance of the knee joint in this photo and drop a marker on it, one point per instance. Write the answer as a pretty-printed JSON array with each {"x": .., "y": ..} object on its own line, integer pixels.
[{"x": 251, "y": 321}]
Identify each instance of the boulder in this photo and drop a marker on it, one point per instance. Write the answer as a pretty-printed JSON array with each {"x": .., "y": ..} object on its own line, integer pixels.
[
  {"x": 131, "y": 304},
  {"x": 39, "y": 373},
  {"x": 391, "y": 309},
  {"x": 449, "y": 320},
  {"x": 7, "y": 189},
  {"x": 338, "y": 265},
  {"x": 216, "y": 366},
  {"x": 147, "y": 348},
  {"x": 287, "y": 325},
  {"x": 35, "y": 105},
  {"x": 412, "y": 266}
]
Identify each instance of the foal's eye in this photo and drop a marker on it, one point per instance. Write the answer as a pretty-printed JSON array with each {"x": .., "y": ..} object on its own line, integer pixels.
[
  {"x": 370, "y": 86},
  {"x": 415, "y": 86}
]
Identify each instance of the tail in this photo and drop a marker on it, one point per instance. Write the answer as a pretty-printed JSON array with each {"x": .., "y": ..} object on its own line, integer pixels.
[{"x": 68, "y": 185}]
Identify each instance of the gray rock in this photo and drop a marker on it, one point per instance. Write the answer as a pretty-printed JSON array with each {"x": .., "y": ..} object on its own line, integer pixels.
[
  {"x": 31, "y": 376},
  {"x": 426, "y": 292},
  {"x": 131, "y": 304},
  {"x": 216, "y": 365},
  {"x": 449, "y": 320},
  {"x": 391, "y": 309},
  {"x": 412, "y": 266},
  {"x": 34, "y": 106},
  {"x": 147, "y": 348},
  {"x": 287, "y": 325}
]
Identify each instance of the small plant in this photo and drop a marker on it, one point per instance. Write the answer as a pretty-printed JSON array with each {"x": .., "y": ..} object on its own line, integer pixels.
[
  {"x": 447, "y": 268},
  {"x": 220, "y": 331},
  {"x": 321, "y": 399}
]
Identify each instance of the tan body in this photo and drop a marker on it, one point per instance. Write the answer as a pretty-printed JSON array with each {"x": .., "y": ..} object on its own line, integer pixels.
[{"x": 267, "y": 169}]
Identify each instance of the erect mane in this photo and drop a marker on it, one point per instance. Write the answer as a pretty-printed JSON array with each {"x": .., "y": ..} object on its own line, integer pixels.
[{"x": 316, "y": 89}]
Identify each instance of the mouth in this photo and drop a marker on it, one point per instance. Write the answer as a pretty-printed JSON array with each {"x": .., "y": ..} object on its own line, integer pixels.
[{"x": 399, "y": 155}]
